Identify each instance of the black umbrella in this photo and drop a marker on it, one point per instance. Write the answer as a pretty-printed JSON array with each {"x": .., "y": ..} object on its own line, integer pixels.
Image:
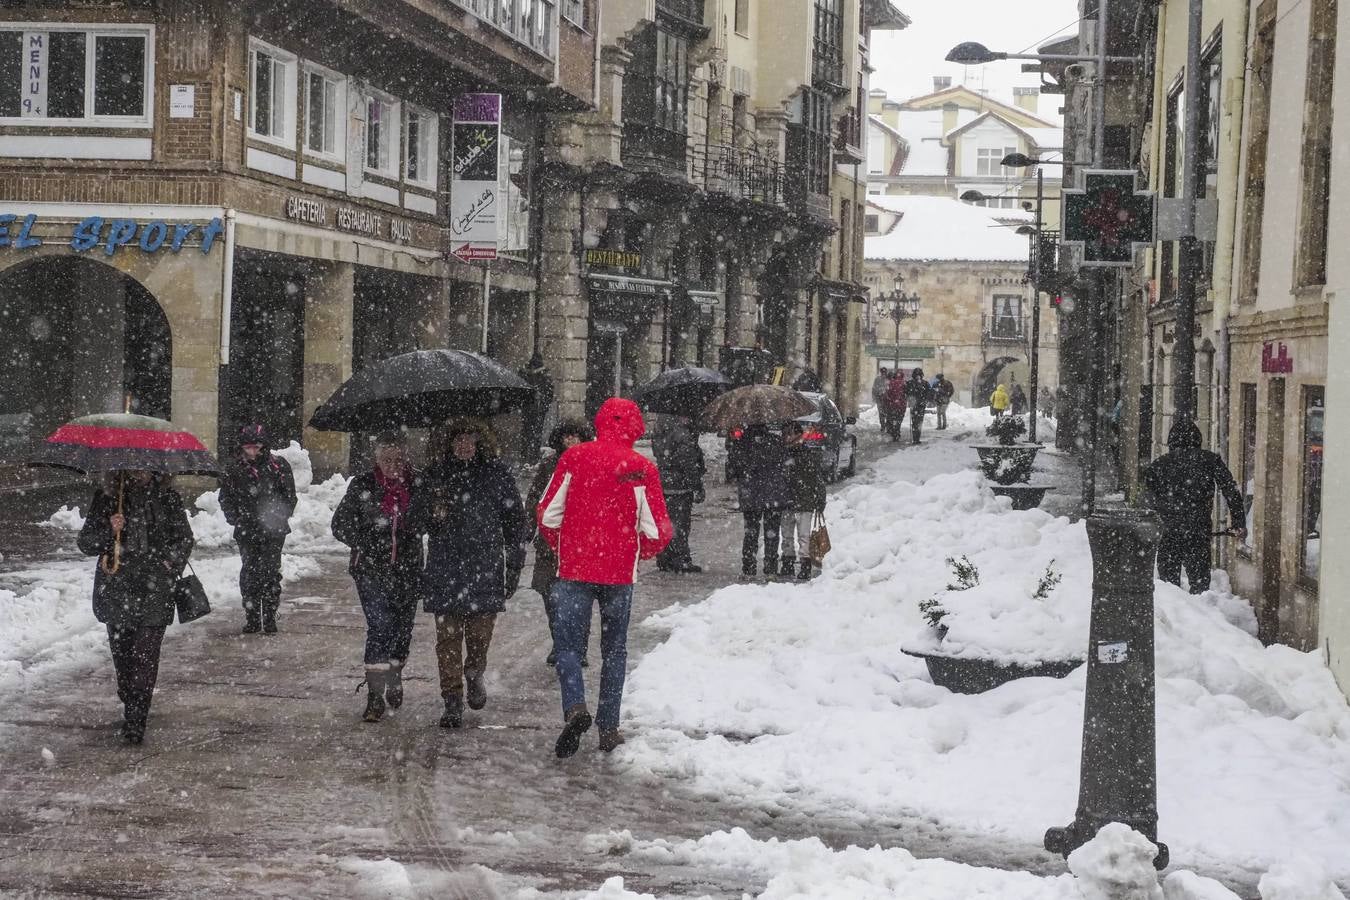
[
  {"x": 422, "y": 389},
  {"x": 681, "y": 392}
]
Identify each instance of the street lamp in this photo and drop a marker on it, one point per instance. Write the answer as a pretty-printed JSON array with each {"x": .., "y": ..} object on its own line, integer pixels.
[{"x": 902, "y": 306}]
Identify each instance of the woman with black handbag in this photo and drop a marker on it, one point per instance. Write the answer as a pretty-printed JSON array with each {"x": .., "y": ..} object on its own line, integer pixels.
[{"x": 138, "y": 528}]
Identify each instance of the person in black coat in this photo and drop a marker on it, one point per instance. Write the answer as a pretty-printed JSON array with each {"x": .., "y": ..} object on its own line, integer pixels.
[
  {"x": 919, "y": 395},
  {"x": 476, "y": 526},
  {"x": 257, "y": 496},
  {"x": 375, "y": 520},
  {"x": 942, "y": 397},
  {"x": 143, "y": 541},
  {"x": 806, "y": 489},
  {"x": 565, "y": 434},
  {"x": 680, "y": 461},
  {"x": 1181, "y": 485},
  {"x": 1018, "y": 398},
  {"x": 763, "y": 495}
]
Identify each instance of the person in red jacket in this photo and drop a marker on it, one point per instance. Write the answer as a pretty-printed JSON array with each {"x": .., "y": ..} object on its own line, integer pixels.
[{"x": 603, "y": 511}]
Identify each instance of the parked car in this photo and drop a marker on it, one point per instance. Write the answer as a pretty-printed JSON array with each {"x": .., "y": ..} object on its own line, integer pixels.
[{"x": 826, "y": 428}]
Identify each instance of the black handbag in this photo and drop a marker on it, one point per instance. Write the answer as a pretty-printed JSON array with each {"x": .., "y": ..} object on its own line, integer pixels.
[{"x": 189, "y": 598}]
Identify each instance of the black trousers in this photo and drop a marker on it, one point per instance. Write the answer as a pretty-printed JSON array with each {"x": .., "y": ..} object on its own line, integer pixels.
[
  {"x": 260, "y": 577},
  {"x": 680, "y": 506},
  {"x": 1188, "y": 550},
  {"x": 916, "y": 414},
  {"x": 135, "y": 654},
  {"x": 771, "y": 522}
]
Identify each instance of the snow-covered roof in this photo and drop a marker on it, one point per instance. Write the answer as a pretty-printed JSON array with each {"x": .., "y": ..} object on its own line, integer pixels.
[
  {"x": 940, "y": 228},
  {"x": 922, "y": 130},
  {"x": 881, "y": 123},
  {"x": 1046, "y": 138}
]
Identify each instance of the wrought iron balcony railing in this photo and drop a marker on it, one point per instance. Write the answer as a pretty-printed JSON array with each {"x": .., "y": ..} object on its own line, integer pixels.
[
  {"x": 737, "y": 172},
  {"x": 1012, "y": 329}
]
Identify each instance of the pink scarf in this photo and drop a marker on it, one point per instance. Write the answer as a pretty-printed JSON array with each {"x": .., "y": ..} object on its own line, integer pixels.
[{"x": 396, "y": 498}]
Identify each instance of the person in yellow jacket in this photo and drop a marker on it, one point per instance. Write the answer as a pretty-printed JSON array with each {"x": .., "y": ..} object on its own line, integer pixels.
[{"x": 998, "y": 400}]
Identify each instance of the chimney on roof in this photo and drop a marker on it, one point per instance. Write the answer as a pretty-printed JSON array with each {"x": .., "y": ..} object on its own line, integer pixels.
[
  {"x": 1028, "y": 98},
  {"x": 941, "y": 82}
]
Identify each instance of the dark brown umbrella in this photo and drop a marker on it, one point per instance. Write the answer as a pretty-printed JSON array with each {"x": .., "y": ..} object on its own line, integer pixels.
[{"x": 755, "y": 404}]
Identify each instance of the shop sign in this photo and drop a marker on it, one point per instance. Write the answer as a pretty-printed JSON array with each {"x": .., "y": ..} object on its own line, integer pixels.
[
  {"x": 474, "y": 192},
  {"x": 113, "y": 234},
  {"x": 360, "y": 221},
  {"x": 1275, "y": 358},
  {"x": 906, "y": 351},
  {"x": 305, "y": 209},
  {"x": 348, "y": 218},
  {"x": 627, "y": 285},
  {"x": 612, "y": 259}
]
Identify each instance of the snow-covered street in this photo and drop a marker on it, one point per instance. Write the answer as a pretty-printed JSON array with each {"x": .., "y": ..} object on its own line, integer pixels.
[{"x": 776, "y": 730}]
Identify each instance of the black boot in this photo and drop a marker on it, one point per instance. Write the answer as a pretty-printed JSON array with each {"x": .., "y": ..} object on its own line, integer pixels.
[
  {"x": 770, "y": 566},
  {"x": 804, "y": 573},
  {"x": 475, "y": 689},
  {"x": 375, "y": 680},
  {"x": 269, "y": 620},
  {"x": 393, "y": 687},
  {"x": 788, "y": 567},
  {"x": 453, "y": 717},
  {"x": 747, "y": 571},
  {"x": 252, "y": 617}
]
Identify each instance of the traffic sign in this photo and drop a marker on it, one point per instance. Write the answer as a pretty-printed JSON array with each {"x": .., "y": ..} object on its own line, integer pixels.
[
  {"x": 475, "y": 252},
  {"x": 1108, "y": 217}
]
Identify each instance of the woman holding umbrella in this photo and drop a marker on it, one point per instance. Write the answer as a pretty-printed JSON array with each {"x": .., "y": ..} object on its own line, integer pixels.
[
  {"x": 476, "y": 527},
  {"x": 138, "y": 528},
  {"x": 375, "y": 520}
]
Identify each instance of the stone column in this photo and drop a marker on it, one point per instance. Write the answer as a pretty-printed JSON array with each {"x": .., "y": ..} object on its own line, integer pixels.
[
  {"x": 328, "y": 357},
  {"x": 562, "y": 305}
]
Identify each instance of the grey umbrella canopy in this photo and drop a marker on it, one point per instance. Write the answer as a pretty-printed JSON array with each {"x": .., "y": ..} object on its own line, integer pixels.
[
  {"x": 422, "y": 389},
  {"x": 682, "y": 392},
  {"x": 755, "y": 404}
]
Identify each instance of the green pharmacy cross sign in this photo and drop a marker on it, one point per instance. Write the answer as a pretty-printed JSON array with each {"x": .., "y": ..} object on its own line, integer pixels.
[{"x": 1108, "y": 217}]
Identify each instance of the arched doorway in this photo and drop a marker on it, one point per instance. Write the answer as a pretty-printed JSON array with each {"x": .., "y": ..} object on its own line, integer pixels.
[
  {"x": 988, "y": 378},
  {"x": 78, "y": 337}
]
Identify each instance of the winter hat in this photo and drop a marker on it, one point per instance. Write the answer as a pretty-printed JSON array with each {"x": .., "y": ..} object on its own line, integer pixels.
[{"x": 253, "y": 434}]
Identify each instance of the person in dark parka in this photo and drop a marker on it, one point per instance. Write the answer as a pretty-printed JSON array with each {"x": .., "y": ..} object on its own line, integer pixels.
[
  {"x": 943, "y": 393},
  {"x": 1181, "y": 485},
  {"x": 135, "y": 601},
  {"x": 919, "y": 394},
  {"x": 680, "y": 461},
  {"x": 475, "y": 522},
  {"x": 565, "y": 434},
  {"x": 763, "y": 495},
  {"x": 806, "y": 489},
  {"x": 375, "y": 520},
  {"x": 257, "y": 496}
]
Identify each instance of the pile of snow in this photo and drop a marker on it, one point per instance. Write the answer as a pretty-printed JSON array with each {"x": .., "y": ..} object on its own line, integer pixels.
[
  {"x": 799, "y": 695},
  {"x": 47, "y": 620},
  {"x": 1116, "y": 865}
]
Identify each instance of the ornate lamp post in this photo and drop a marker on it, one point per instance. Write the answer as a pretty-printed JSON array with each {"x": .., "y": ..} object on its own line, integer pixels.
[{"x": 902, "y": 306}]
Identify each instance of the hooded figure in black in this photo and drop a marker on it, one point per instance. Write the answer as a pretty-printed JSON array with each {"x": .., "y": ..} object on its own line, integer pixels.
[
  {"x": 138, "y": 526},
  {"x": 257, "y": 496},
  {"x": 535, "y": 413},
  {"x": 680, "y": 460},
  {"x": 1181, "y": 486},
  {"x": 919, "y": 393}
]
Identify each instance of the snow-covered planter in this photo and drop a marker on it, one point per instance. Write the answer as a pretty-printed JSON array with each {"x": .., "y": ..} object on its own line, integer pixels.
[
  {"x": 962, "y": 659},
  {"x": 1007, "y": 463}
]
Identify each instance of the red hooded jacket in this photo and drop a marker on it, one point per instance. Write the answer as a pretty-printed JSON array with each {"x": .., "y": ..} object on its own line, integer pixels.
[{"x": 604, "y": 508}]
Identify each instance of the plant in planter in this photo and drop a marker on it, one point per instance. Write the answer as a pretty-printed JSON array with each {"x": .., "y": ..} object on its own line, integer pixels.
[
  {"x": 1007, "y": 429},
  {"x": 967, "y": 577}
]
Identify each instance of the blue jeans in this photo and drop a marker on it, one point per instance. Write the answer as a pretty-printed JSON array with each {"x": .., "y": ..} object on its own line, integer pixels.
[
  {"x": 572, "y": 601},
  {"x": 390, "y": 607}
]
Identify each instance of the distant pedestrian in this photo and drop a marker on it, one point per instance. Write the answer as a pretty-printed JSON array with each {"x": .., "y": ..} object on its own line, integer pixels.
[
  {"x": 943, "y": 394},
  {"x": 1181, "y": 486},
  {"x": 998, "y": 401},
  {"x": 475, "y": 523},
  {"x": 565, "y": 435},
  {"x": 763, "y": 495},
  {"x": 603, "y": 511},
  {"x": 919, "y": 395},
  {"x": 806, "y": 490},
  {"x": 1017, "y": 400},
  {"x": 374, "y": 520},
  {"x": 535, "y": 414},
  {"x": 879, "y": 385},
  {"x": 895, "y": 404},
  {"x": 257, "y": 496},
  {"x": 1045, "y": 402},
  {"x": 680, "y": 461},
  {"x": 138, "y": 526}
]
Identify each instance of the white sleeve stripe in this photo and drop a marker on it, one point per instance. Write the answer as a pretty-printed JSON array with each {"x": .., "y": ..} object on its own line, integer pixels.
[
  {"x": 646, "y": 522},
  {"x": 553, "y": 513}
]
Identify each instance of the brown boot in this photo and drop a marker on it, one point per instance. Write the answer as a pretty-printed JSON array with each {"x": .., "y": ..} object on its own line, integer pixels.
[
  {"x": 577, "y": 722},
  {"x": 611, "y": 740}
]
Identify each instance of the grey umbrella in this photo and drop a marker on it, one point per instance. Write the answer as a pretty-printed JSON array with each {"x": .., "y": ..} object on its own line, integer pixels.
[{"x": 755, "y": 404}]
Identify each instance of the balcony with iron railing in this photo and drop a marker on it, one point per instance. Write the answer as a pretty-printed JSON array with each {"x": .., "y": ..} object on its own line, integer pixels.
[
  {"x": 1004, "y": 329},
  {"x": 738, "y": 173}
]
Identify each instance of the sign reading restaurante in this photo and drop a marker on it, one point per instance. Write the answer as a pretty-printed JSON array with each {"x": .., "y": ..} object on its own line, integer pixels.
[{"x": 113, "y": 234}]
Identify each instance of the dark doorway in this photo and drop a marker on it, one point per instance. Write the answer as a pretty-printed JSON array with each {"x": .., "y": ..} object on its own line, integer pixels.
[
  {"x": 987, "y": 380},
  {"x": 265, "y": 382}
]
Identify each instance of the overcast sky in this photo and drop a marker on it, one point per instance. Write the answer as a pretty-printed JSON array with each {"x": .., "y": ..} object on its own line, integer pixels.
[{"x": 907, "y": 60}]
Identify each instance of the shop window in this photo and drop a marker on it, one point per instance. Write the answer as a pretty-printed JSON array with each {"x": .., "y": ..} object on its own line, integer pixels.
[
  {"x": 273, "y": 91},
  {"x": 324, "y": 113},
  {"x": 421, "y": 148},
  {"x": 97, "y": 76},
  {"x": 1248, "y": 485},
  {"x": 1311, "y": 263},
  {"x": 1310, "y": 501},
  {"x": 381, "y": 135}
]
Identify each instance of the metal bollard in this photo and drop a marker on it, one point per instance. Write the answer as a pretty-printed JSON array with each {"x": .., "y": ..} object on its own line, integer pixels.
[{"x": 1118, "y": 779}]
